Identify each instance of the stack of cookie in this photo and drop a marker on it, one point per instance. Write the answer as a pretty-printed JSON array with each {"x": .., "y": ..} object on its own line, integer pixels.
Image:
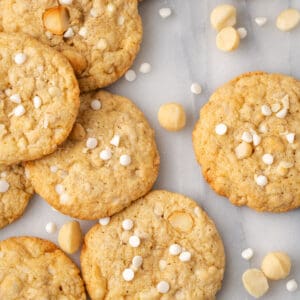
[{"x": 90, "y": 154}]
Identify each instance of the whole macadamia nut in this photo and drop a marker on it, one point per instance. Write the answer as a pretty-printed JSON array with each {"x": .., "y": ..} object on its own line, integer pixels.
[{"x": 171, "y": 116}]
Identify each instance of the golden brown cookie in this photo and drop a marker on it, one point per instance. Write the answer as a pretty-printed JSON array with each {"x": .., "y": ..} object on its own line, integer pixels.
[
  {"x": 109, "y": 160},
  {"x": 100, "y": 38},
  {"x": 15, "y": 192},
  {"x": 39, "y": 98},
  {"x": 163, "y": 246},
  {"x": 32, "y": 268},
  {"x": 247, "y": 141}
]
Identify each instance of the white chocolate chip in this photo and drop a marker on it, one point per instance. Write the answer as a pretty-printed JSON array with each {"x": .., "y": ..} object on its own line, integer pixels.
[
  {"x": 91, "y": 143},
  {"x": 50, "y": 227},
  {"x": 260, "y": 21},
  {"x": 261, "y": 180},
  {"x": 222, "y": 16},
  {"x": 290, "y": 137},
  {"x": 83, "y": 32},
  {"x": 247, "y": 137},
  {"x": 105, "y": 154},
  {"x": 59, "y": 189},
  {"x": 104, "y": 221},
  {"x": 275, "y": 107},
  {"x": 37, "y": 102},
  {"x": 242, "y": 31},
  {"x": 282, "y": 113},
  {"x": 121, "y": 20},
  {"x": 196, "y": 88},
  {"x": 288, "y": 19},
  {"x": 115, "y": 141},
  {"x": 145, "y": 68},
  {"x": 137, "y": 261},
  {"x": 247, "y": 254},
  {"x": 127, "y": 224},
  {"x": 134, "y": 241},
  {"x": 64, "y": 198},
  {"x": 256, "y": 139},
  {"x": 263, "y": 128},
  {"x": 102, "y": 44},
  {"x": 65, "y": 2},
  {"x": 165, "y": 12},
  {"x": 69, "y": 33},
  {"x": 111, "y": 8},
  {"x": 163, "y": 287},
  {"x": 70, "y": 237},
  {"x": 286, "y": 102},
  {"x": 20, "y": 58},
  {"x": 268, "y": 159},
  {"x": 125, "y": 160},
  {"x": 128, "y": 275},
  {"x": 266, "y": 110},
  {"x": 162, "y": 264},
  {"x": 130, "y": 75},
  {"x": 221, "y": 129},
  {"x": 174, "y": 249},
  {"x": 95, "y": 104},
  {"x": 4, "y": 186},
  {"x": 255, "y": 282},
  {"x": 228, "y": 39},
  {"x": 19, "y": 110},
  {"x": 16, "y": 98},
  {"x": 53, "y": 169},
  {"x": 292, "y": 285},
  {"x": 185, "y": 256}
]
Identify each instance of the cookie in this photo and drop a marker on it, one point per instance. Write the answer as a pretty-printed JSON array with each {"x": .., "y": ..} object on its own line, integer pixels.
[
  {"x": 109, "y": 160},
  {"x": 100, "y": 38},
  {"x": 164, "y": 246},
  {"x": 15, "y": 192},
  {"x": 32, "y": 268},
  {"x": 247, "y": 141},
  {"x": 39, "y": 98}
]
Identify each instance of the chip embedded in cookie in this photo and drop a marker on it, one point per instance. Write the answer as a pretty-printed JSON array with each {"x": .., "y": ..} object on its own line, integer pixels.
[
  {"x": 32, "y": 268},
  {"x": 39, "y": 98},
  {"x": 164, "y": 246},
  {"x": 15, "y": 192},
  {"x": 100, "y": 38},
  {"x": 109, "y": 160},
  {"x": 247, "y": 141}
]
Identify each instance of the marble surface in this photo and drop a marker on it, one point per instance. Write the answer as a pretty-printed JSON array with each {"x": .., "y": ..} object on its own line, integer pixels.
[{"x": 181, "y": 50}]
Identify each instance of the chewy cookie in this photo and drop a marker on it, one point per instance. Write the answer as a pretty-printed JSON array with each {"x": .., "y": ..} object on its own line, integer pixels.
[
  {"x": 100, "y": 38},
  {"x": 247, "y": 141},
  {"x": 163, "y": 246},
  {"x": 15, "y": 192},
  {"x": 39, "y": 98},
  {"x": 32, "y": 268},
  {"x": 109, "y": 160}
]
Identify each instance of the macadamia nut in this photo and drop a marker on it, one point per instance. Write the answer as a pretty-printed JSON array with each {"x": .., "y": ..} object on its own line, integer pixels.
[
  {"x": 171, "y": 116},
  {"x": 288, "y": 19},
  {"x": 228, "y": 39},
  {"x": 276, "y": 265},
  {"x": 222, "y": 16},
  {"x": 255, "y": 282},
  {"x": 70, "y": 237}
]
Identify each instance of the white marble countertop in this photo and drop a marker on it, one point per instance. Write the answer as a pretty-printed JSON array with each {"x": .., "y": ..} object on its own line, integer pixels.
[{"x": 181, "y": 50}]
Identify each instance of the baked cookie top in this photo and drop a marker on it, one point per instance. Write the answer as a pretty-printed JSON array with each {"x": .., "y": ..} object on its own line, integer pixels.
[
  {"x": 247, "y": 141},
  {"x": 15, "y": 192},
  {"x": 39, "y": 98},
  {"x": 32, "y": 268},
  {"x": 163, "y": 246},
  {"x": 100, "y": 38},
  {"x": 109, "y": 160}
]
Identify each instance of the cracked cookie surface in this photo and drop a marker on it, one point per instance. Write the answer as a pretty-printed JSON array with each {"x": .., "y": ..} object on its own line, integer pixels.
[
  {"x": 163, "y": 246},
  {"x": 109, "y": 160},
  {"x": 39, "y": 98},
  {"x": 32, "y": 268},
  {"x": 15, "y": 192},
  {"x": 100, "y": 38},
  {"x": 247, "y": 141}
]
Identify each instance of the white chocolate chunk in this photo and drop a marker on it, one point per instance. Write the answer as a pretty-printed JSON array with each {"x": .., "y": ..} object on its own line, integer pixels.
[
  {"x": 222, "y": 16},
  {"x": 15, "y": 98},
  {"x": 266, "y": 110},
  {"x": 37, "y": 102},
  {"x": 288, "y": 19},
  {"x": 69, "y": 33},
  {"x": 247, "y": 137},
  {"x": 227, "y": 39},
  {"x": 137, "y": 261},
  {"x": 115, "y": 141},
  {"x": 282, "y": 113},
  {"x": 256, "y": 139},
  {"x": 275, "y": 107},
  {"x": 19, "y": 110},
  {"x": 290, "y": 137}
]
